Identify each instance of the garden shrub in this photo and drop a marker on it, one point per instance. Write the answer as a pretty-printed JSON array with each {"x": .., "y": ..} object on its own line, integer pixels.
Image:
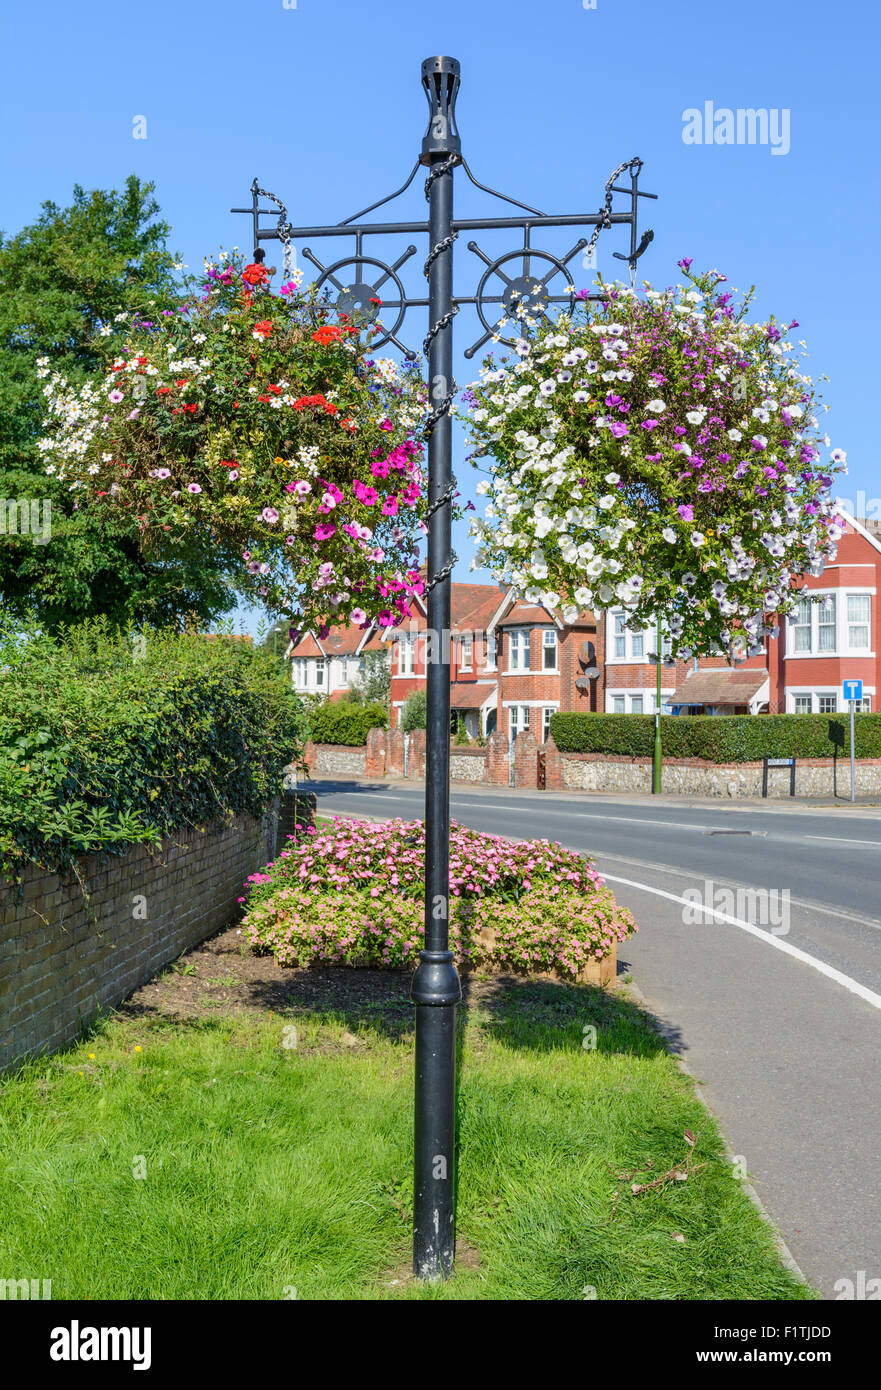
[
  {"x": 718, "y": 738},
  {"x": 351, "y": 893},
  {"x": 108, "y": 738},
  {"x": 346, "y": 722},
  {"x": 414, "y": 711}
]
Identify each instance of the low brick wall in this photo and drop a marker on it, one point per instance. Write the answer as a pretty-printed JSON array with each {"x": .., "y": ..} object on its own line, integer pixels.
[
  {"x": 599, "y": 772},
  {"x": 59, "y": 968}
]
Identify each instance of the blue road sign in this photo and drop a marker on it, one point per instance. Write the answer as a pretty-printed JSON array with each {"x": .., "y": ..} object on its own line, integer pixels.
[{"x": 853, "y": 690}]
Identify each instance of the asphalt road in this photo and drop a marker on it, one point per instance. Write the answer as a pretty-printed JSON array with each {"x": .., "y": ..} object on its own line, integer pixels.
[{"x": 773, "y": 999}]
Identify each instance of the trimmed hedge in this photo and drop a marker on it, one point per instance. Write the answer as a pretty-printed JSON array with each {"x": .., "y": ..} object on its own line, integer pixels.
[
  {"x": 112, "y": 738},
  {"x": 719, "y": 738},
  {"x": 346, "y": 723}
]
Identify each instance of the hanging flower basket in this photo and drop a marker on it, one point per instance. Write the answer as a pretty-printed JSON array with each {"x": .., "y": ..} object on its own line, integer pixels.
[
  {"x": 657, "y": 451},
  {"x": 247, "y": 420}
]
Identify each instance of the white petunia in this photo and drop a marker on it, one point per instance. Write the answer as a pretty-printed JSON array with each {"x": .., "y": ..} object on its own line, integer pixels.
[{"x": 656, "y": 407}]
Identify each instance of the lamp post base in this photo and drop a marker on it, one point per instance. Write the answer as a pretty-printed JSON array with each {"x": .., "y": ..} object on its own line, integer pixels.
[{"x": 435, "y": 991}]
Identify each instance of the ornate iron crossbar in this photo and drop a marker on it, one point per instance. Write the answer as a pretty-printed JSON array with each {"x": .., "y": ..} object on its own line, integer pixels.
[{"x": 361, "y": 297}]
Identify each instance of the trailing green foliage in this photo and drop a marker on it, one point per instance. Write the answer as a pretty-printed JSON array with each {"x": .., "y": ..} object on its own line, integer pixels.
[
  {"x": 113, "y": 737},
  {"x": 346, "y": 722},
  {"x": 736, "y": 738}
]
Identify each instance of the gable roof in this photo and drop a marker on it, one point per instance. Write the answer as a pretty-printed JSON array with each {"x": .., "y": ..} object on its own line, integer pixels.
[{"x": 719, "y": 687}]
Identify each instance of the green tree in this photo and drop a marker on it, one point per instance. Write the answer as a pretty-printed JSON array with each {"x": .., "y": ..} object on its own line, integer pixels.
[
  {"x": 63, "y": 281},
  {"x": 376, "y": 678},
  {"x": 414, "y": 710}
]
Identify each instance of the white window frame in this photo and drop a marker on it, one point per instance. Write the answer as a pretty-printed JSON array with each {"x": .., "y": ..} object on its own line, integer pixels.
[
  {"x": 861, "y": 623},
  {"x": 466, "y": 654},
  {"x": 841, "y": 597},
  {"x": 406, "y": 656},
  {"x": 636, "y": 643},
  {"x": 490, "y": 651},
  {"x": 518, "y": 646},
  {"x": 646, "y": 695},
  {"x": 550, "y": 646}
]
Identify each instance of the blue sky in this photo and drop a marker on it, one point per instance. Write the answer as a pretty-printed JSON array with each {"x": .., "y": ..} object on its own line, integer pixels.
[{"x": 322, "y": 101}]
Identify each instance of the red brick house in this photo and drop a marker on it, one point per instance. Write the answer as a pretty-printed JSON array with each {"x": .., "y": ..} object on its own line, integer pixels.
[
  {"x": 798, "y": 671},
  {"x": 543, "y": 666},
  {"x": 474, "y": 687},
  {"x": 515, "y": 664}
]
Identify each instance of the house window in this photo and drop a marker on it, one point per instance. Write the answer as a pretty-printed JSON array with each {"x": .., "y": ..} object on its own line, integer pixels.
[
  {"x": 802, "y": 704},
  {"x": 620, "y": 635},
  {"x": 858, "y": 613},
  {"x": 319, "y": 673},
  {"x": 467, "y": 656},
  {"x": 617, "y": 704},
  {"x": 514, "y": 721},
  {"x": 546, "y": 723},
  {"x": 826, "y": 626},
  {"x": 864, "y": 706},
  {"x": 826, "y": 704},
  {"x": 549, "y": 650},
  {"x": 491, "y": 651},
  {"x": 801, "y": 626},
  {"x": 405, "y": 656},
  {"x": 636, "y": 704},
  {"x": 518, "y": 650}
]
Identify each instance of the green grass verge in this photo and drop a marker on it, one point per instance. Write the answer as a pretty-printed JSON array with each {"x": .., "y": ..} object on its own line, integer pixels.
[{"x": 271, "y": 1168}]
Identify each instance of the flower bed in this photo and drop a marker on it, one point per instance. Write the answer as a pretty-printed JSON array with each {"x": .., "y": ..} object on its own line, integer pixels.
[{"x": 352, "y": 894}]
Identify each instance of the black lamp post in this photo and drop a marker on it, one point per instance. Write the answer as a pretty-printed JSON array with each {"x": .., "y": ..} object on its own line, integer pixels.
[{"x": 436, "y": 990}]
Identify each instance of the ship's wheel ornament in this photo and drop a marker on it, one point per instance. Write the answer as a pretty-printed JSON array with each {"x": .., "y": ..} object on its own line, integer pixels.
[
  {"x": 523, "y": 296},
  {"x": 360, "y": 300}
]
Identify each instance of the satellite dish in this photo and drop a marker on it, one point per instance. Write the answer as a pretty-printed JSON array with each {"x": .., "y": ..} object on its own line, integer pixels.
[{"x": 586, "y": 654}]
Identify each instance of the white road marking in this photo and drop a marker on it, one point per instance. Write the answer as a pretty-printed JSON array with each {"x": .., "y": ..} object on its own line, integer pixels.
[
  {"x": 777, "y": 942},
  {"x": 693, "y": 874},
  {"x": 845, "y": 840}
]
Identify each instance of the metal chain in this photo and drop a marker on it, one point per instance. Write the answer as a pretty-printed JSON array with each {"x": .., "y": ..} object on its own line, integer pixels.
[
  {"x": 606, "y": 209},
  {"x": 444, "y": 167},
  {"x": 284, "y": 229}
]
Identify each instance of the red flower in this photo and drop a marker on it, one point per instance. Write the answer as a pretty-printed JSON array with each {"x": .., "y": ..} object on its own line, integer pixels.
[
  {"x": 163, "y": 390},
  {"x": 349, "y": 425},
  {"x": 255, "y": 274},
  {"x": 326, "y": 335},
  {"x": 264, "y": 328},
  {"x": 317, "y": 401},
  {"x": 182, "y": 382},
  {"x": 191, "y": 409}
]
